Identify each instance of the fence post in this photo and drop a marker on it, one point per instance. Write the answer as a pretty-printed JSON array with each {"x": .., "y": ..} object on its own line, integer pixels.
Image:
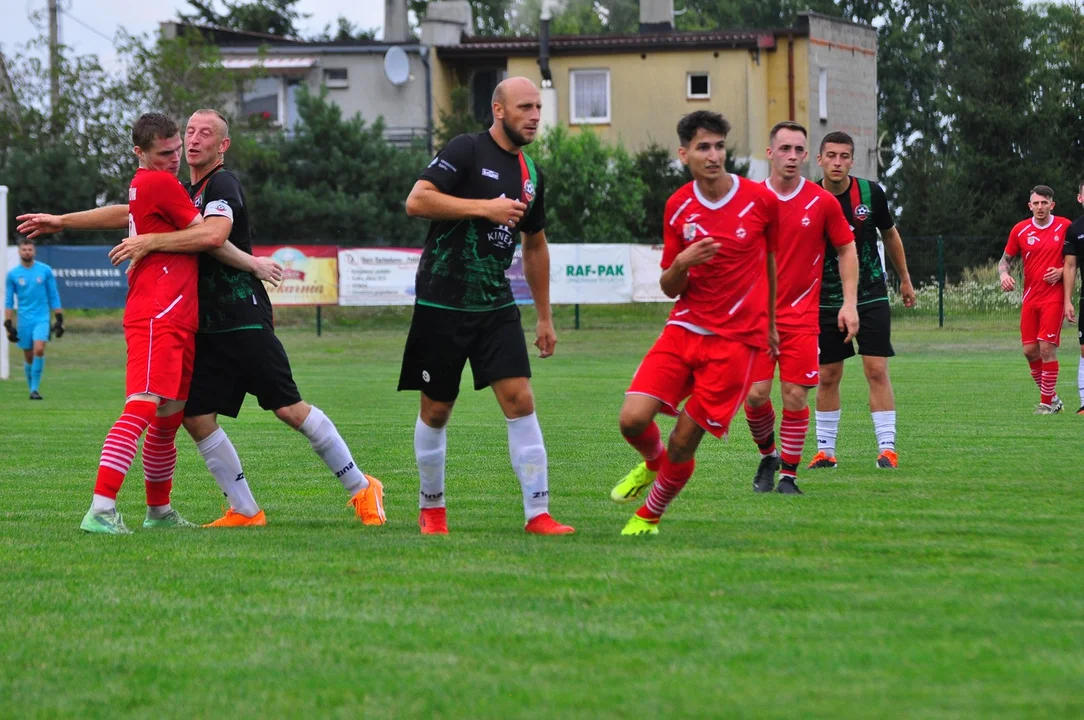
[
  {"x": 319, "y": 319},
  {"x": 577, "y": 316},
  {"x": 940, "y": 281}
]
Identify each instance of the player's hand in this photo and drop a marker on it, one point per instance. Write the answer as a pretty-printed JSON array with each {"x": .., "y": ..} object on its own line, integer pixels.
[
  {"x": 907, "y": 292},
  {"x": 545, "y": 338},
  {"x": 267, "y": 270},
  {"x": 34, "y": 224},
  {"x": 1053, "y": 275},
  {"x": 1007, "y": 282},
  {"x": 58, "y": 328},
  {"x": 504, "y": 211},
  {"x": 1070, "y": 312},
  {"x": 134, "y": 248},
  {"x": 698, "y": 253},
  {"x": 847, "y": 321},
  {"x": 13, "y": 334},
  {"x": 773, "y": 340}
]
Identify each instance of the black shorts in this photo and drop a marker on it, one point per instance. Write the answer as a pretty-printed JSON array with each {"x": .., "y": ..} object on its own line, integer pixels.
[
  {"x": 874, "y": 334},
  {"x": 233, "y": 364},
  {"x": 441, "y": 341}
]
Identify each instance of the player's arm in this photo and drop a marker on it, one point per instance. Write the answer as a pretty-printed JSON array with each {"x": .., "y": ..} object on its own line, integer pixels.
[
  {"x": 427, "y": 201},
  {"x": 894, "y": 250},
  {"x": 536, "y": 270},
  {"x": 264, "y": 268},
  {"x": 1068, "y": 282},
  {"x": 847, "y": 321},
  {"x": 54, "y": 304},
  {"x": 110, "y": 217},
  {"x": 193, "y": 239},
  {"x": 9, "y": 308},
  {"x": 675, "y": 278},
  {"x": 1004, "y": 269},
  {"x": 773, "y": 331}
]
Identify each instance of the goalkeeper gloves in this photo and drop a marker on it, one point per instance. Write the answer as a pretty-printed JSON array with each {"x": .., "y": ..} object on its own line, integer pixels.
[
  {"x": 58, "y": 329},
  {"x": 13, "y": 335}
]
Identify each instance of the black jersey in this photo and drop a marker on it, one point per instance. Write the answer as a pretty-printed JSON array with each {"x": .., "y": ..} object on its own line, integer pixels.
[
  {"x": 229, "y": 299},
  {"x": 464, "y": 261},
  {"x": 866, "y": 209}
]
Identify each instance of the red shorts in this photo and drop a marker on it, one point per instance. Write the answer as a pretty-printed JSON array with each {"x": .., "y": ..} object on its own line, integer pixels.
[
  {"x": 1041, "y": 322},
  {"x": 713, "y": 372},
  {"x": 160, "y": 358},
  {"x": 798, "y": 360}
]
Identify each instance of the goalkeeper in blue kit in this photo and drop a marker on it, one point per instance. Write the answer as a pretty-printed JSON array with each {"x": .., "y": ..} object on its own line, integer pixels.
[{"x": 33, "y": 285}]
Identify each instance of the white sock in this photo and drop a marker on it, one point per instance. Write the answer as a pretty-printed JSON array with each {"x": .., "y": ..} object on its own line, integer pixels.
[
  {"x": 827, "y": 429},
  {"x": 884, "y": 424},
  {"x": 528, "y": 455},
  {"x": 1080, "y": 380},
  {"x": 159, "y": 511},
  {"x": 430, "y": 449},
  {"x": 101, "y": 504},
  {"x": 332, "y": 449},
  {"x": 225, "y": 466}
]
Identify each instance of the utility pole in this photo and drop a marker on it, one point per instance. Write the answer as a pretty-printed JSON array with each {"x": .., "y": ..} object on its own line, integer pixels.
[{"x": 54, "y": 57}]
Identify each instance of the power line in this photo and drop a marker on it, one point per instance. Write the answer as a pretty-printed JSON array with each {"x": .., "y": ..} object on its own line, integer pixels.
[{"x": 77, "y": 21}]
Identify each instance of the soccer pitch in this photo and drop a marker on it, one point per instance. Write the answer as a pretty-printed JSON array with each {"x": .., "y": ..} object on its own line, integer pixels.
[{"x": 953, "y": 587}]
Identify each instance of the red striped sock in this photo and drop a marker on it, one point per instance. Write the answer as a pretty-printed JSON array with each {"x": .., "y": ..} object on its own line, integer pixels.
[
  {"x": 649, "y": 445},
  {"x": 121, "y": 445},
  {"x": 1037, "y": 373},
  {"x": 1049, "y": 384},
  {"x": 792, "y": 432},
  {"x": 160, "y": 458},
  {"x": 762, "y": 424},
  {"x": 672, "y": 478}
]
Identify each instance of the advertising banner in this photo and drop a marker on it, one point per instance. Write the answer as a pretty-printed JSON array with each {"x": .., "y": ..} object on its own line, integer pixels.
[
  {"x": 310, "y": 274},
  {"x": 590, "y": 274},
  {"x": 646, "y": 273},
  {"x": 377, "y": 276}
]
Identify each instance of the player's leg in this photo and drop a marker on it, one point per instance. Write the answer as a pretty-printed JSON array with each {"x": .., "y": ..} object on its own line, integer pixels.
[
  {"x": 217, "y": 388},
  {"x": 833, "y": 351},
  {"x": 678, "y": 464},
  {"x": 28, "y": 360},
  {"x": 498, "y": 358},
  {"x": 760, "y": 416},
  {"x": 1080, "y": 366},
  {"x": 875, "y": 346},
  {"x": 25, "y": 328},
  {"x": 1030, "y": 317},
  {"x": 1050, "y": 322},
  {"x": 37, "y": 363},
  {"x": 798, "y": 373},
  {"x": 433, "y": 361},
  {"x": 661, "y": 382}
]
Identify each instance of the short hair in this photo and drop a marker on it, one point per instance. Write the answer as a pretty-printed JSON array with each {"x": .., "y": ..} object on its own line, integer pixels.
[
  {"x": 150, "y": 127},
  {"x": 837, "y": 138},
  {"x": 785, "y": 125},
  {"x": 713, "y": 122},
  {"x": 26, "y": 241},
  {"x": 1043, "y": 191},
  {"x": 217, "y": 114}
]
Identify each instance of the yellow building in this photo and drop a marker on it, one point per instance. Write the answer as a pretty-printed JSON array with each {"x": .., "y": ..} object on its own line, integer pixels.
[{"x": 633, "y": 89}]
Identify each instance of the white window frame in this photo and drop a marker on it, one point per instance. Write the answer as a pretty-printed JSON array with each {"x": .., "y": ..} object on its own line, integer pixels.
[
  {"x": 573, "y": 119},
  {"x": 689, "y": 94},
  {"x": 336, "y": 83},
  {"x": 822, "y": 95}
]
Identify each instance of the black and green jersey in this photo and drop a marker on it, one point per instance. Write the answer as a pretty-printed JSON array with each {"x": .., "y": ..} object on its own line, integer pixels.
[
  {"x": 866, "y": 209},
  {"x": 229, "y": 299},
  {"x": 464, "y": 261}
]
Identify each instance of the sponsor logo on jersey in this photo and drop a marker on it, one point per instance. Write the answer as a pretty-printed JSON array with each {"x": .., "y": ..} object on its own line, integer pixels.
[
  {"x": 131, "y": 194},
  {"x": 425, "y": 375},
  {"x": 491, "y": 173},
  {"x": 740, "y": 232},
  {"x": 528, "y": 190},
  {"x": 711, "y": 422},
  {"x": 812, "y": 374},
  {"x": 806, "y": 221},
  {"x": 862, "y": 212},
  {"x": 688, "y": 231}
]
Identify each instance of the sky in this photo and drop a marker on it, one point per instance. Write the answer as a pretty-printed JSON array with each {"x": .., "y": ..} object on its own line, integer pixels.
[{"x": 84, "y": 22}]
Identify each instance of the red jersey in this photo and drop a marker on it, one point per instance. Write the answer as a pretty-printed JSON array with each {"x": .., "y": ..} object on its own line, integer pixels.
[
  {"x": 807, "y": 223},
  {"x": 1041, "y": 250},
  {"x": 728, "y": 295},
  {"x": 162, "y": 286}
]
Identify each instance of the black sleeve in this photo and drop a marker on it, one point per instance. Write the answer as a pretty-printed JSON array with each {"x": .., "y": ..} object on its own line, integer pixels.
[
  {"x": 880, "y": 207},
  {"x": 1074, "y": 239},
  {"x": 536, "y": 219},
  {"x": 223, "y": 196},
  {"x": 451, "y": 165}
]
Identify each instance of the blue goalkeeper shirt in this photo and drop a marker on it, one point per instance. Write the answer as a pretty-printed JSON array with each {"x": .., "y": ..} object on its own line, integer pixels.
[{"x": 35, "y": 288}]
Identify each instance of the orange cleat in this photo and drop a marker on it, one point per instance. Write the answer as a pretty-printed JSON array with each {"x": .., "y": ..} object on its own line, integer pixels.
[
  {"x": 232, "y": 518},
  {"x": 888, "y": 460},
  {"x": 821, "y": 460},
  {"x": 433, "y": 521},
  {"x": 369, "y": 503},
  {"x": 544, "y": 524}
]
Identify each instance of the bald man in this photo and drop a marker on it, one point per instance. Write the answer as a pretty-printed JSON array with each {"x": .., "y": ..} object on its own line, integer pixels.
[{"x": 481, "y": 193}]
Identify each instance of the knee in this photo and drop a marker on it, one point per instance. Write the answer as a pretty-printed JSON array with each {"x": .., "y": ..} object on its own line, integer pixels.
[
  {"x": 201, "y": 427},
  {"x": 830, "y": 375},
  {"x": 519, "y": 402},
  {"x": 39, "y": 352},
  {"x": 294, "y": 415},
  {"x": 877, "y": 374},
  {"x": 759, "y": 394},
  {"x": 633, "y": 423},
  {"x": 436, "y": 414},
  {"x": 795, "y": 397},
  {"x": 681, "y": 447},
  {"x": 1048, "y": 353},
  {"x": 1031, "y": 353}
]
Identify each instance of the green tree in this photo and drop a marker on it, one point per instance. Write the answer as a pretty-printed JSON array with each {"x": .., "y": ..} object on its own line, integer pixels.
[
  {"x": 458, "y": 120},
  {"x": 345, "y": 31},
  {"x": 274, "y": 17}
]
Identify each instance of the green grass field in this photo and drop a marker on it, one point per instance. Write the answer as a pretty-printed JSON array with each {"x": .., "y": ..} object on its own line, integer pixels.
[{"x": 953, "y": 588}]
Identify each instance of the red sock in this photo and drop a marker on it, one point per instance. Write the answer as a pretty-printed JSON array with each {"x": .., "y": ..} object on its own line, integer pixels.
[
  {"x": 792, "y": 432},
  {"x": 121, "y": 445},
  {"x": 160, "y": 458},
  {"x": 1049, "y": 384},
  {"x": 1037, "y": 373},
  {"x": 762, "y": 424},
  {"x": 649, "y": 444},
  {"x": 672, "y": 478}
]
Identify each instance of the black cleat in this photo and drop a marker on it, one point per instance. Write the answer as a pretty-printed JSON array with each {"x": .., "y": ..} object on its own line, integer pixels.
[
  {"x": 36, "y": 396},
  {"x": 1080, "y": 411},
  {"x": 764, "y": 480},
  {"x": 787, "y": 486}
]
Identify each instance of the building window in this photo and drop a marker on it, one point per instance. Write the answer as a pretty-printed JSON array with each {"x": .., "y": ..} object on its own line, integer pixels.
[
  {"x": 263, "y": 99},
  {"x": 336, "y": 78},
  {"x": 697, "y": 86},
  {"x": 483, "y": 81},
  {"x": 822, "y": 96},
  {"x": 589, "y": 96}
]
